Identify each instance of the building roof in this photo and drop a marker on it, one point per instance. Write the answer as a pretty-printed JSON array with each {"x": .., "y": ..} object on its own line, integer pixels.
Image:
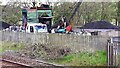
[{"x": 100, "y": 25}]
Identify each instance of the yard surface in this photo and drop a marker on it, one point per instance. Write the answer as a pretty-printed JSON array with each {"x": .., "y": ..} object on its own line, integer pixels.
[
  {"x": 83, "y": 59},
  {"x": 10, "y": 46}
]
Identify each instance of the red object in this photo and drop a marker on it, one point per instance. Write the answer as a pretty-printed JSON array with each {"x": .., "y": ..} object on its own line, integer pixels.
[{"x": 69, "y": 28}]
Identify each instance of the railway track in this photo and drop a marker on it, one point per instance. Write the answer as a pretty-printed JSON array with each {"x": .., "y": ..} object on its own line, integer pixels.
[
  {"x": 7, "y": 64},
  {"x": 26, "y": 62}
]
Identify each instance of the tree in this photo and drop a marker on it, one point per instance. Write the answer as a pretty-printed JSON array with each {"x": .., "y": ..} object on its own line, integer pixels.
[{"x": 11, "y": 12}]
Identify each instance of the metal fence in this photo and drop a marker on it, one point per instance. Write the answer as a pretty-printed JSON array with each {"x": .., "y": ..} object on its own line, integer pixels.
[
  {"x": 113, "y": 52},
  {"x": 76, "y": 42}
]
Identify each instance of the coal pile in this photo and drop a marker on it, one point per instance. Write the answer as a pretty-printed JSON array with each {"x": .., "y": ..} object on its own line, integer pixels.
[
  {"x": 4, "y": 25},
  {"x": 100, "y": 25}
]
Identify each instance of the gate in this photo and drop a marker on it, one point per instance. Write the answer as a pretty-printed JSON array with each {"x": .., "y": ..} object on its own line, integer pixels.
[{"x": 113, "y": 52}]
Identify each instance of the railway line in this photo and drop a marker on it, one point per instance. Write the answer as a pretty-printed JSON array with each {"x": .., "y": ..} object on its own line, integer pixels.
[
  {"x": 7, "y": 64},
  {"x": 16, "y": 61}
]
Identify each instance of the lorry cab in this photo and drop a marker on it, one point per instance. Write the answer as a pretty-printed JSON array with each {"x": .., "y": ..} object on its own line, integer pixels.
[
  {"x": 36, "y": 27},
  {"x": 37, "y": 19}
]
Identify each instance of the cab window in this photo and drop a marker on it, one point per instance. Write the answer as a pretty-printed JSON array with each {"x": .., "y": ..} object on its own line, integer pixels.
[{"x": 31, "y": 29}]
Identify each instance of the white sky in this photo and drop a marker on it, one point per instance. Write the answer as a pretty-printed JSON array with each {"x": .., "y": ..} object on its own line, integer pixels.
[
  {"x": 44, "y": 1},
  {"x": 4, "y": 2}
]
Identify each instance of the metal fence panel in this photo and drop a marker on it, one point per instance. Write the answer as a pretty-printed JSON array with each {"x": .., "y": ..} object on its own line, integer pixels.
[{"x": 113, "y": 52}]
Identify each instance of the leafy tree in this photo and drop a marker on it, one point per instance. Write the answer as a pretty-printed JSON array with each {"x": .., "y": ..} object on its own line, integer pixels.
[
  {"x": 11, "y": 13},
  {"x": 88, "y": 12}
]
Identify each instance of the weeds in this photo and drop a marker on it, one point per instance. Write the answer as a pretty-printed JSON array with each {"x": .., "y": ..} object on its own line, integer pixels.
[{"x": 84, "y": 59}]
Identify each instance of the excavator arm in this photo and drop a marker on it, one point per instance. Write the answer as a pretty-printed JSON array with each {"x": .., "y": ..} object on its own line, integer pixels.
[
  {"x": 74, "y": 12},
  {"x": 70, "y": 23}
]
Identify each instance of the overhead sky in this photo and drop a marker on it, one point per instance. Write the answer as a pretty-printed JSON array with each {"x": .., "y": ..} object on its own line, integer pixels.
[{"x": 4, "y": 2}]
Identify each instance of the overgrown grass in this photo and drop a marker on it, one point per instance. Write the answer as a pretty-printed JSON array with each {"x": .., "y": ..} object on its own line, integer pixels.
[
  {"x": 10, "y": 46},
  {"x": 83, "y": 59}
]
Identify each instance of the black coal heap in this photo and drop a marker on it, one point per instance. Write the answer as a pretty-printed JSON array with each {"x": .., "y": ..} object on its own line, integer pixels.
[{"x": 100, "y": 25}]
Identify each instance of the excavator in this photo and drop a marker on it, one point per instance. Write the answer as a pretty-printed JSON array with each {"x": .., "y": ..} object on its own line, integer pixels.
[{"x": 63, "y": 26}]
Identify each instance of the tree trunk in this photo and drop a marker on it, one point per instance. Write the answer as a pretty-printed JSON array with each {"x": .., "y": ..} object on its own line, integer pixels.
[
  {"x": 102, "y": 11},
  {"x": 116, "y": 22}
]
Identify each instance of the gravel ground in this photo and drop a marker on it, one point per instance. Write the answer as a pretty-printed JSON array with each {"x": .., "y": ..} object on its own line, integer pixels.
[{"x": 14, "y": 57}]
